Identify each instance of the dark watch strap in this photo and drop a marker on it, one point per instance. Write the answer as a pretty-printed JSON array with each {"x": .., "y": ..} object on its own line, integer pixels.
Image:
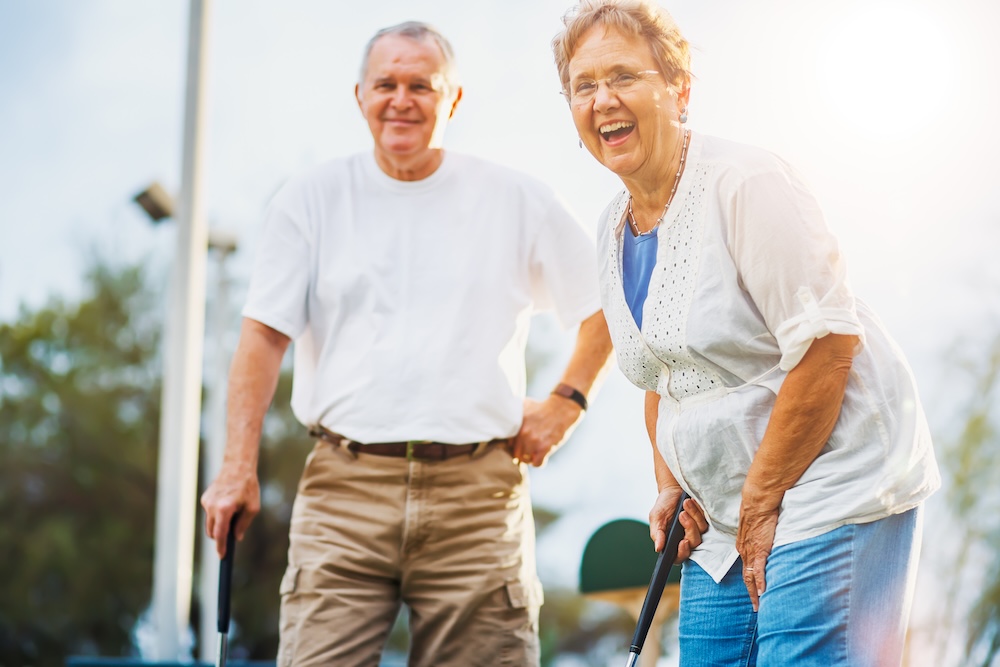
[{"x": 566, "y": 391}]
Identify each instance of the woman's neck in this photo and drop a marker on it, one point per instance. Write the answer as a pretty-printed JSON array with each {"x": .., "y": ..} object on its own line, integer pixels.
[{"x": 651, "y": 189}]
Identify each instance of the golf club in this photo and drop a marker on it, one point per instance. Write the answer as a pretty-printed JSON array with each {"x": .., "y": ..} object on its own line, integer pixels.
[
  {"x": 225, "y": 583},
  {"x": 659, "y": 579}
]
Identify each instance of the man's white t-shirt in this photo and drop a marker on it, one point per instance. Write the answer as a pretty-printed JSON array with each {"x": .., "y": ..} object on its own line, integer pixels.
[{"x": 409, "y": 301}]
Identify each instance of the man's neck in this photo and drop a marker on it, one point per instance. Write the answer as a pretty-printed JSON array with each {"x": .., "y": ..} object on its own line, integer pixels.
[{"x": 410, "y": 168}]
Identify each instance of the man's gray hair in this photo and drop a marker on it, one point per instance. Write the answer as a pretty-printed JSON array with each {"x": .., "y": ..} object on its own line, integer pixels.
[{"x": 419, "y": 31}]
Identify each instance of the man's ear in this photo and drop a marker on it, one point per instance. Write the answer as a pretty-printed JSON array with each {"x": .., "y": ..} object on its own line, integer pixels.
[{"x": 357, "y": 94}]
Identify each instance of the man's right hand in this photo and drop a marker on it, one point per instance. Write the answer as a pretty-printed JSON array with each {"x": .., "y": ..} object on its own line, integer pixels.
[{"x": 233, "y": 491}]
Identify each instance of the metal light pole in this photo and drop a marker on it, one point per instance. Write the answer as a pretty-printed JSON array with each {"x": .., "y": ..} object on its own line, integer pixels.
[
  {"x": 159, "y": 205},
  {"x": 222, "y": 245},
  {"x": 181, "y": 399}
]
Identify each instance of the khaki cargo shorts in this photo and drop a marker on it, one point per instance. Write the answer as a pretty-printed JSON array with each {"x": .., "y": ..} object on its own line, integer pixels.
[{"x": 452, "y": 540}]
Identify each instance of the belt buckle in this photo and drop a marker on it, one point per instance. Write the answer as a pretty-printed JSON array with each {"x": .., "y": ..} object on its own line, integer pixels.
[{"x": 409, "y": 448}]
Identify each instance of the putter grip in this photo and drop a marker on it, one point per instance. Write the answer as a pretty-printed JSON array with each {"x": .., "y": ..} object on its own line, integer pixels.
[
  {"x": 659, "y": 579},
  {"x": 226, "y": 577}
]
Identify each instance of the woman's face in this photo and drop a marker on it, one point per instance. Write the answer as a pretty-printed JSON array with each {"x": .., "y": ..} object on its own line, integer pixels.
[{"x": 625, "y": 112}]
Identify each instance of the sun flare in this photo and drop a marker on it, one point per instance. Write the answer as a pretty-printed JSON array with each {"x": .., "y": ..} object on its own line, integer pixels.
[{"x": 886, "y": 69}]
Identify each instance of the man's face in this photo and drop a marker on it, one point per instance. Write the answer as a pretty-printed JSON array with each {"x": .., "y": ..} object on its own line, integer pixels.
[{"x": 405, "y": 98}]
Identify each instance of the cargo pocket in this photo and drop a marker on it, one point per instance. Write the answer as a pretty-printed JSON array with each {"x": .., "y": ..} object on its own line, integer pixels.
[
  {"x": 522, "y": 646},
  {"x": 288, "y": 626},
  {"x": 524, "y": 595}
]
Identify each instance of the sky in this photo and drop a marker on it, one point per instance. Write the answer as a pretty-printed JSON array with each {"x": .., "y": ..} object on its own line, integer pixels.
[{"x": 887, "y": 108}]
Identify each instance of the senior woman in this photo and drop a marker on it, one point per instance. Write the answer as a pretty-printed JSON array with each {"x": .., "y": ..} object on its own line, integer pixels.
[{"x": 773, "y": 396}]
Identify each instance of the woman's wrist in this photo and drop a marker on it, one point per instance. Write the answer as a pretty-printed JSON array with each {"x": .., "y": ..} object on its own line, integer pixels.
[{"x": 760, "y": 497}]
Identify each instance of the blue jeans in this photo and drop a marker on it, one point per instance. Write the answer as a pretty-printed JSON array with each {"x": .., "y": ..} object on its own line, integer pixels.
[{"x": 842, "y": 598}]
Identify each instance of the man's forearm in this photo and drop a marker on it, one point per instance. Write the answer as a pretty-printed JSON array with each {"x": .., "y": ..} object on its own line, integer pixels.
[
  {"x": 590, "y": 354},
  {"x": 253, "y": 380}
]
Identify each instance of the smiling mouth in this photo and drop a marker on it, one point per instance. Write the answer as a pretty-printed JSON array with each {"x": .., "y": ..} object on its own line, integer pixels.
[{"x": 617, "y": 130}]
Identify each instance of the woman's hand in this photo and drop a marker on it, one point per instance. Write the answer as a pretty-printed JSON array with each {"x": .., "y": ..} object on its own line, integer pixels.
[
  {"x": 754, "y": 539},
  {"x": 692, "y": 518},
  {"x": 804, "y": 415}
]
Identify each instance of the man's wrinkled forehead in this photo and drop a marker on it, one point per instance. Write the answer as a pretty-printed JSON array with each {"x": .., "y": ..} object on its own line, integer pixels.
[
  {"x": 425, "y": 47},
  {"x": 397, "y": 54}
]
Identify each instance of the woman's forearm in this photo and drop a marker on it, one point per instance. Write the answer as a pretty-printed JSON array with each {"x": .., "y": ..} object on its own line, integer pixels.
[
  {"x": 664, "y": 478},
  {"x": 805, "y": 413}
]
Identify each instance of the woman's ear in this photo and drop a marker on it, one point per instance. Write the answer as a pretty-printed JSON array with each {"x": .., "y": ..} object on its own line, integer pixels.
[{"x": 684, "y": 95}]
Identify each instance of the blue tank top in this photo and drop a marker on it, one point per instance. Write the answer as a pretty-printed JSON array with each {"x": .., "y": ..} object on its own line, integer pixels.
[{"x": 638, "y": 260}]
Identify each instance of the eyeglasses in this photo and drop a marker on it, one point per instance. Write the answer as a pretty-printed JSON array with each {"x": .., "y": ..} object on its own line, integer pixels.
[{"x": 582, "y": 91}]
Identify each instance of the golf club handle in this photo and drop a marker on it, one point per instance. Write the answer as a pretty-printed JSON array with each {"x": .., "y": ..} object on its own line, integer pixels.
[
  {"x": 659, "y": 579},
  {"x": 226, "y": 576}
]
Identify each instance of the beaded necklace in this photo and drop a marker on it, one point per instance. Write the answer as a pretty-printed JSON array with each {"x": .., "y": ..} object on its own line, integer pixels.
[{"x": 673, "y": 191}]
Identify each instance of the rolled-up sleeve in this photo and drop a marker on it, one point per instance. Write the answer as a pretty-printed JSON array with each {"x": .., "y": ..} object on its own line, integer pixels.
[{"x": 789, "y": 263}]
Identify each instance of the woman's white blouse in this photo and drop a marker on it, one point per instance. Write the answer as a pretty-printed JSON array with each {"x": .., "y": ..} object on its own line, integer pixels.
[{"x": 747, "y": 275}]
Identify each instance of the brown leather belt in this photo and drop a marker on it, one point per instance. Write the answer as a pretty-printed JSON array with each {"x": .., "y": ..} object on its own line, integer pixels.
[{"x": 412, "y": 450}]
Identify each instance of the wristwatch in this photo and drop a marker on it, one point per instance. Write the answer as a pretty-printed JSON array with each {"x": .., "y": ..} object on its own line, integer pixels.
[{"x": 566, "y": 391}]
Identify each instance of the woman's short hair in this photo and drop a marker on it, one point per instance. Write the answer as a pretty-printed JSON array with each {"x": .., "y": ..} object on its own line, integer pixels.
[
  {"x": 640, "y": 18},
  {"x": 416, "y": 30}
]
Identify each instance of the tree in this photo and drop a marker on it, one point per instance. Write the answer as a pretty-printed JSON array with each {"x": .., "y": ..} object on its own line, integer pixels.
[
  {"x": 974, "y": 495},
  {"x": 78, "y": 424}
]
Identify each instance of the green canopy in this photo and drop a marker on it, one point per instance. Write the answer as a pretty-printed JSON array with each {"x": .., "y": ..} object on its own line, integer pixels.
[{"x": 619, "y": 555}]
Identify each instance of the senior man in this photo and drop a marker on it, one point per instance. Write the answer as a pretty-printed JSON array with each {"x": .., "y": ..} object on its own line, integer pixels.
[{"x": 406, "y": 277}]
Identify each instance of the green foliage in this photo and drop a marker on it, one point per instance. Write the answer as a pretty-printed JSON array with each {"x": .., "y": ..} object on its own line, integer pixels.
[
  {"x": 78, "y": 426},
  {"x": 595, "y": 632},
  {"x": 974, "y": 494}
]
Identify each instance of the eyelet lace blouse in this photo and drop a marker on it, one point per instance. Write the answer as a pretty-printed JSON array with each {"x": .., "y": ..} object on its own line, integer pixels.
[{"x": 747, "y": 276}]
